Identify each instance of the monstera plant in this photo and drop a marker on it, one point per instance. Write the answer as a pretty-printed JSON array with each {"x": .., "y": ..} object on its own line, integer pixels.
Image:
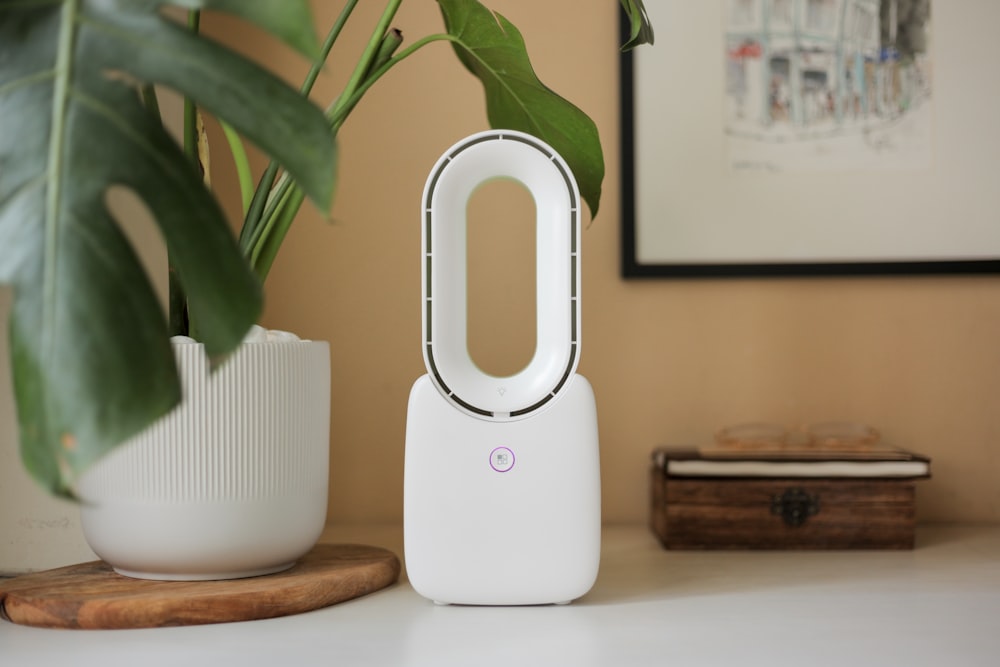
[{"x": 91, "y": 359}]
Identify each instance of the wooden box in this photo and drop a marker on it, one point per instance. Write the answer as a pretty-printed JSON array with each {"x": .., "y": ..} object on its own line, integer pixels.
[{"x": 758, "y": 502}]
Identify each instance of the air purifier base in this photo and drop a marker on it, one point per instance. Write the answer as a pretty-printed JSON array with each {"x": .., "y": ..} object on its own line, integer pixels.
[{"x": 502, "y": 512}]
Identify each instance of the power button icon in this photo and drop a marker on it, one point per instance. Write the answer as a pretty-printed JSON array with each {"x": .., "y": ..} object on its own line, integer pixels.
[{"x": 501, "y": 459}]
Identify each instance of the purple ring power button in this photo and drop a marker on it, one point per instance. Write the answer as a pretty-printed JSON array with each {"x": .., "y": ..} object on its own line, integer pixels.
[{"x": 501, "y": 459}]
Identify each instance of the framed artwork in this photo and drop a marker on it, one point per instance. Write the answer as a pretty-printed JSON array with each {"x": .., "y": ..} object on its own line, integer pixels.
[{"x": 811, "y": 137}]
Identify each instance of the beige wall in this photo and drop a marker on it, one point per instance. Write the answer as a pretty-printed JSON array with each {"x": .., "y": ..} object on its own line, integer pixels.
[{"x": 671, "y": 361}]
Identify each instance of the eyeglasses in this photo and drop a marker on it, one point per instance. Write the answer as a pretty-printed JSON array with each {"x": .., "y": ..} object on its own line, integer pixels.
[{"x": 838, "y": 435}]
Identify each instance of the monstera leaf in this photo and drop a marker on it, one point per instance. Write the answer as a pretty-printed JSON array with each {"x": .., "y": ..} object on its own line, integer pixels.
[
  {"x": 90, "y": 355},
  {"x": 492, "y": 48},
  {"x": 640, "y": 31}
]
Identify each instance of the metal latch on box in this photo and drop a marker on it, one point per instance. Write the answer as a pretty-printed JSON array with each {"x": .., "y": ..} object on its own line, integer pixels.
[{"x": 795, "y": 506}]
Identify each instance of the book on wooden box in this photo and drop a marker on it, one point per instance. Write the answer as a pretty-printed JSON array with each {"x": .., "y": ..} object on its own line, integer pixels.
[{"x": 810, "y": 498}]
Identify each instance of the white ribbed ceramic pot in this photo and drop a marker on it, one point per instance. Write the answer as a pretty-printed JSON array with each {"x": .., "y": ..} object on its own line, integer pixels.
[{"x": 233, "y": 483}]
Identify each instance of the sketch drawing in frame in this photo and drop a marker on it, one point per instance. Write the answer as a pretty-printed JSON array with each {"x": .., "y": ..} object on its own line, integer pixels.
[{"x": 803, "y": 137}]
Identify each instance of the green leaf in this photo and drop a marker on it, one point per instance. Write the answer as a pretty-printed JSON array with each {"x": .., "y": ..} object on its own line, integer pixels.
[
  {"x": 254, "y": 102},
  {"x": 640, "y": 31},
  {"x": 290, "y": 21},
  {"x": 90, "y": 355},
  {"x": 493, "y": 50}
]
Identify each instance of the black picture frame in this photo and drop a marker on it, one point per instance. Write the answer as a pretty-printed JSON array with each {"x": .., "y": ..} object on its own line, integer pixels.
[{"x": 633, "y": 267}]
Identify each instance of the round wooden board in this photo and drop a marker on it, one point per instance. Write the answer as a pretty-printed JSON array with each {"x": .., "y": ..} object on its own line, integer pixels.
[{"x": 93, "y": 596}]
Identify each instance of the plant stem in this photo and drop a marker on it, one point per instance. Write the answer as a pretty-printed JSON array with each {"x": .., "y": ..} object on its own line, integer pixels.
[
  {"x": 179, "y": 323},
  {"x": 177, "y": 304},
  {"x": 331, "y": 39},
  {"x": 264, "y": 232},
  {"x": 252, "y": 220},
  {"x": 190, "y": 110},
  {"x": 278, "y": 227},
  {"x": 176, "y": 301},
  {"x": 242, "y": 163},
  {"x": 364, "y": 66},
  {"x": 274, "y": 210},
  {"x": 286, "y": 198},
  {"x": 338, "y": 112},
  {"x": 151, "y": 102},
  {"x": 255, "y": 213}
]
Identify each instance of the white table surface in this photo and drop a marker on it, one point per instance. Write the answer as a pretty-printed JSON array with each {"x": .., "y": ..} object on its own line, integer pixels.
[{"x": 937, "y": 605}]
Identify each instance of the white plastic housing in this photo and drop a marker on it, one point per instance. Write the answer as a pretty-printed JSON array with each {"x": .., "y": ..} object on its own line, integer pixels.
[
  {"x": 478, "y": 534},
  {"x": 460, "y": 171},
  {"x": 502, "y": 496}
]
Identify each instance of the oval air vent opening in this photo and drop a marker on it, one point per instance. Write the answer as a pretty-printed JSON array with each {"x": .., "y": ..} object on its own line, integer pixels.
[{"x": 500, "y": 256}]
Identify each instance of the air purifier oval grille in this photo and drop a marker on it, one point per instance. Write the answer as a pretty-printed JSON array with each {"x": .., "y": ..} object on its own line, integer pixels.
[{"x": 465, "y": 166}]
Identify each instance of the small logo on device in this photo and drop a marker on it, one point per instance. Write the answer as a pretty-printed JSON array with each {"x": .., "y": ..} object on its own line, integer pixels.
[{"x": 501, "y": 459}]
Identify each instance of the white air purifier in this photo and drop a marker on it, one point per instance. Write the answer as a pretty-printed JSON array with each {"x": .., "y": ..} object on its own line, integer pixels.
[{"x": 502, "y": 497}]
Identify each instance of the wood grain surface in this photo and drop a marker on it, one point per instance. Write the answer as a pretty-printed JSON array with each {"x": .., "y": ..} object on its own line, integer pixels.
[
  {"x": 94, "y": 596},
  {"x": 737, "y": 513}
]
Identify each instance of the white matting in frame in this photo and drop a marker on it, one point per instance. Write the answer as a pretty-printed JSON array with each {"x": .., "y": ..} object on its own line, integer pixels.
[{"x": 752, "y": 150}]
